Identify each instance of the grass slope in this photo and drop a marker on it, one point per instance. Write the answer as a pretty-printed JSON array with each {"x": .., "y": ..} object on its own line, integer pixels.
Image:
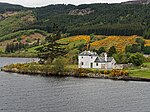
[
  {"x": 16, "y": 22},
  {"x": 22, "y": 36},
  {"x": 143, "y": 72}
]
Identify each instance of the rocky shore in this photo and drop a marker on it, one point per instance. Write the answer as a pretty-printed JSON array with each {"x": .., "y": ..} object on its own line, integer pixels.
[{"x": 73, "y": 74}]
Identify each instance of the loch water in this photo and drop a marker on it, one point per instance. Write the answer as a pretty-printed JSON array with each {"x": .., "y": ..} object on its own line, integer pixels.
[{"x": 25, "y": 93}]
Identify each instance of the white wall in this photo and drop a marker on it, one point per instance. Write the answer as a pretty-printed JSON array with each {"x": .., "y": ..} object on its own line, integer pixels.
[{"x": 87, "y": 60}]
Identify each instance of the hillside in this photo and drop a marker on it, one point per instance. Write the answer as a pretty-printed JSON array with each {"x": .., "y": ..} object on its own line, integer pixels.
[
  {"x": 18, "y": 22},
  {"x": 76, "y": 44},
  {"x": 103, "y": 19},
  {"x": 106, "y": 19},
  {"x": 24, "y": 36},
  {"x": 10, "y": 7},
  {"x": 15, "y": 21},
  {"x": 137, "y": 2}
]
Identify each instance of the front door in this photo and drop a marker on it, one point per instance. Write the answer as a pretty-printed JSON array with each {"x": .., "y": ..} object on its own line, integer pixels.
[
  {"x": 103, "y": 66},
  {"x": 91, "y": 65}
]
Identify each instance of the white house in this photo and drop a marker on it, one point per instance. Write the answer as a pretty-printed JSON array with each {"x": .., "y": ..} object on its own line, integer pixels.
[{"x": 88, "y": 59}]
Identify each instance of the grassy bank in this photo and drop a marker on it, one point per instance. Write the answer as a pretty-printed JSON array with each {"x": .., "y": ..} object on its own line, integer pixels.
[
  {"x": 72, "y": 70},
  {"x": 142, "y": 72},
  {"x": 133, "y": 74}
]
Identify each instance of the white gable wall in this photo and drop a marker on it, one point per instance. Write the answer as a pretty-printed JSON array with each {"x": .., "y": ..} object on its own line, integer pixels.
[{"x": 86, "y": 61}]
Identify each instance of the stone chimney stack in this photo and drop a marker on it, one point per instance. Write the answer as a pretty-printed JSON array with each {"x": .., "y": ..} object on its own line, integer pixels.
[{"x": 105, "y": 55}]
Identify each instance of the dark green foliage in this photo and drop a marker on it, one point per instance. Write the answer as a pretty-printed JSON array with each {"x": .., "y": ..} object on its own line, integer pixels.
[
  {"x": 52, "y": 49},
  {"x": 146, "y": 50},
  {"x": 141, "y": 42},
  {"x": 82, "y": 47},
  {"x": 101, "y": 50},
  {"x": 128, "y": 49},
  {"x": 59, "y": 65},
  {"x": 108, "y": 19},
  {"x": 147, "y": 34},
  {"x": 134, "y": 48},
  {"x": 112, "y": 51},
  {"x": 122, "y": 58},
  {"x": 19, "y": 39},
  {"x": 9, "y": 7},
  {"x": 136, "y": 59},
  {"x": 92, "y": 38},
  {"x": 12, "y": 47}
]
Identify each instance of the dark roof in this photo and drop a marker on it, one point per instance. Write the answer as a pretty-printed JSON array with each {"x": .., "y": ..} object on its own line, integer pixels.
[
  {"x": 88, "y": 53},
  {"x": 102, "y": 59}
]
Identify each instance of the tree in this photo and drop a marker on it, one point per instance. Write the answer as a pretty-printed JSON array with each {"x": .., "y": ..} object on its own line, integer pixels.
[
  {"x": 133, "y": 48},
  {"x": 128, "y": 48},
  {"x": 136, "y": 48},
  {"x": 112, "y": 51},
  {"x": 7, "y": 49},
  {"x": 92, "y": 38},
  {"x": 146, "y": 50},
  {"x": 16, "y": 47},
  {"x": 101, "y": 50},
  {"x": 59, "y": 65},
  {"x": 82, "y": 47},
  {"x": 38, "y": 42},
  {"x": 141, "y": 42},
  {"x": 122, "y": 58},
  {"x": 136, "y": 59},
  {"x": 52, "y": 49}
]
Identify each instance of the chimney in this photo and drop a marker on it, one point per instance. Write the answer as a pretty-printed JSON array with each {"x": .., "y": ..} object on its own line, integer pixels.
[{"x": 105, "y": 55}]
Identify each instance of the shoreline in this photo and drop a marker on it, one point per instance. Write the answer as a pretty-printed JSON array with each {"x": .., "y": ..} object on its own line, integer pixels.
[
  {"x": 73, "y": 74},
  {"x": 14, "y": 55}
]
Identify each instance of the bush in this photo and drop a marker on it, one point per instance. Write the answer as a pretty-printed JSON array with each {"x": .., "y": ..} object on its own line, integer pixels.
[
  {"x": 59, "y": 65},
  {"x": 116, "y": 73},
  {"x": 147, "y": 59},
  {"x": 136, "y": 59},
  {"x": 80, "y": 71}
]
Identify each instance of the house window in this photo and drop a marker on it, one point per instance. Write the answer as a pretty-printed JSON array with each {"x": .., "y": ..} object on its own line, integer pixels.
[
  {"x": 91, "y": 65},
  {"x": 82, "y": 63},
  {"x": 82, "y": 56},
  {"x": 91, "y": 57},
  {"x": 96, "y": 64}
]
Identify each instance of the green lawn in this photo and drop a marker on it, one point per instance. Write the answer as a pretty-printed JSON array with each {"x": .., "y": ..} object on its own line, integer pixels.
[{"x": 143, "y": 72}]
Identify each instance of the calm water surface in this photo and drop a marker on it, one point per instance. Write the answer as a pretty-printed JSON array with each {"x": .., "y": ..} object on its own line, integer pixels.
[{"x": 24, "y": 93}]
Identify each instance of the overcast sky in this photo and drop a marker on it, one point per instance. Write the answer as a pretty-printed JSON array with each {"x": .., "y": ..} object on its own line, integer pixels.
[{"x": 38, "y": 3}]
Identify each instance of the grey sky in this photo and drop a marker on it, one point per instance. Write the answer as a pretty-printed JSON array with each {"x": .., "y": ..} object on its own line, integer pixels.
[{"x": 37, "y": 3}]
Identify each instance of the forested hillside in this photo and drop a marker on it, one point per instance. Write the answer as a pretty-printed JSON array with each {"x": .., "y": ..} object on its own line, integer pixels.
[
  {"x": 104, "y": 19},
  {"x": 9, "y": 7},
  {"x": 107, "y": 19}
]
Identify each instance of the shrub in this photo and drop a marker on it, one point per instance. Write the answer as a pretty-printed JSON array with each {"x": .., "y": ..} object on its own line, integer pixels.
[
  {"x": 115, "y": 73},
  {"x": 80, "y": 71},
  {"x": 136, "y": 59},
  {"x": 147, "y": 59},
  {"x": 59, "y": 65}
]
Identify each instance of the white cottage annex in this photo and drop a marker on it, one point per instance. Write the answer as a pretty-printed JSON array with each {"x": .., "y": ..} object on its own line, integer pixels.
[{"x": 88, "y": 59}]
